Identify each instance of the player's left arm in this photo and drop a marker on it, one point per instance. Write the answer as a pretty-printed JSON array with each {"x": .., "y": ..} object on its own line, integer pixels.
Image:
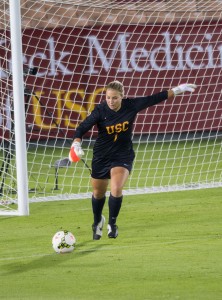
[
  {"x": 181, "y": 89},
  {"x": 147, "y": 101}
]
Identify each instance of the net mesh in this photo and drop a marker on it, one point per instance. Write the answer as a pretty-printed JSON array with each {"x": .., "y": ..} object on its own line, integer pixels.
[{"x": 72, "y": 49}]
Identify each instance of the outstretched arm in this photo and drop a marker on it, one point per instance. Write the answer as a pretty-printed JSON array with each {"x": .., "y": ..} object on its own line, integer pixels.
[
  {"x": 170, "y": 94},
  {"x": 180, "y": 89}
]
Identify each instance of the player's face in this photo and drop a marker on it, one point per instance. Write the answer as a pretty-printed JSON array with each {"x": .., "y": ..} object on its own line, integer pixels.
[{"x": 113, "y": 99}]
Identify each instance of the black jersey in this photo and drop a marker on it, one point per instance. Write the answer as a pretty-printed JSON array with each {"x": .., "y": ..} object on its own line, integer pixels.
[{"x": 115, "y": 128}]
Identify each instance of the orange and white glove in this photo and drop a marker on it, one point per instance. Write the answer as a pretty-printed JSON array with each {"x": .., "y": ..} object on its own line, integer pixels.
[
  {"x": 186, "y": 87},
  {"x": 75, "y": 152}
]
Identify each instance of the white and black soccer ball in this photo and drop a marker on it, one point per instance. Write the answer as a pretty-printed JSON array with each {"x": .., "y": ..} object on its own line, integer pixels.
[{"x": 63, "y": 241}]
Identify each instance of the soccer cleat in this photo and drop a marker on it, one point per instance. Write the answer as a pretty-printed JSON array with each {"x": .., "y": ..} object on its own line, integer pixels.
[
  {"x": 98, "y": 229},
  {"x": 112, "y": 231}
]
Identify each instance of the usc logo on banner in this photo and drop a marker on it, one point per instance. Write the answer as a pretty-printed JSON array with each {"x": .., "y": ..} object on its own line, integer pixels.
[{"x": 63, "y": 106}]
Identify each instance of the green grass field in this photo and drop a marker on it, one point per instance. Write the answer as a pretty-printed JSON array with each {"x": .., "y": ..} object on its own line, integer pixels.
[
  {"x": 157, "y": 164},
  {"x": 169, "y": 247}
]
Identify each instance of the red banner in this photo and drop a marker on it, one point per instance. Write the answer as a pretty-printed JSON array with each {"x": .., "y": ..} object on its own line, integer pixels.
[{"x": 74, "y": 65}]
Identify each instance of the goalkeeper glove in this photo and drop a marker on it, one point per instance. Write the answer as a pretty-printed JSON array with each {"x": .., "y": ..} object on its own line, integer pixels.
[
  {"x": 75, "y": 152},
  {"x": 186, "y": 87}
]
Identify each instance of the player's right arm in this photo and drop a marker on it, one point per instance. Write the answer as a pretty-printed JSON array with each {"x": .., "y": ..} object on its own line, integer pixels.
[{"x": 76, "y": 151}]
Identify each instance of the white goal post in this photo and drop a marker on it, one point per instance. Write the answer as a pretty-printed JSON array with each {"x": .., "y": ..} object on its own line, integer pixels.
[
  {"x": 70, "y": 50},
  {"x": 19, "y": 139}
]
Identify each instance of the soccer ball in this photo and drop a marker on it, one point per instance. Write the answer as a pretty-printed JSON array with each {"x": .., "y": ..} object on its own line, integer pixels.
[{"x": 63, "y": 241}]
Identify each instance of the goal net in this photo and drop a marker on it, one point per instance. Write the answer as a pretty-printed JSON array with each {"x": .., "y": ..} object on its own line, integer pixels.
[{"x": 72, "y": 49}]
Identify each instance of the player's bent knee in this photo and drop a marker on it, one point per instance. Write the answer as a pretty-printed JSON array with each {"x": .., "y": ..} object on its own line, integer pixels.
[
  {"x": 116, "y": 191},
  {"x": 99, "y": 194}
]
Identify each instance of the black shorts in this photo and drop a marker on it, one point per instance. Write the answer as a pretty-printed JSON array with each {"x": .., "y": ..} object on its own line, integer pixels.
[{"x": 101, "y": 167}]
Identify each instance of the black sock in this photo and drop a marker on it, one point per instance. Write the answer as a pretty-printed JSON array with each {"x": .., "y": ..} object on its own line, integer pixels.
[
  {"x": 97, "y": 207},
  {"x": 114, "y": 208}
]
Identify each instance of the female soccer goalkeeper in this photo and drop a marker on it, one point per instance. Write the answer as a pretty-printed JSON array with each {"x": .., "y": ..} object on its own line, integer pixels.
[{"x": 113, "y": 153}]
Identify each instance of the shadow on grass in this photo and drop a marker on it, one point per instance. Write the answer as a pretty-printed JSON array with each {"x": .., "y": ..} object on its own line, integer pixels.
[{"x": 29, "y": 263}]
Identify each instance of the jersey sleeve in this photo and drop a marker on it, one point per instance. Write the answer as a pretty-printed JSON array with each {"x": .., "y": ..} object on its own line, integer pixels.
[
  {"x": 87, "y": 124},
  {"x": 147, "y": 101}
]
